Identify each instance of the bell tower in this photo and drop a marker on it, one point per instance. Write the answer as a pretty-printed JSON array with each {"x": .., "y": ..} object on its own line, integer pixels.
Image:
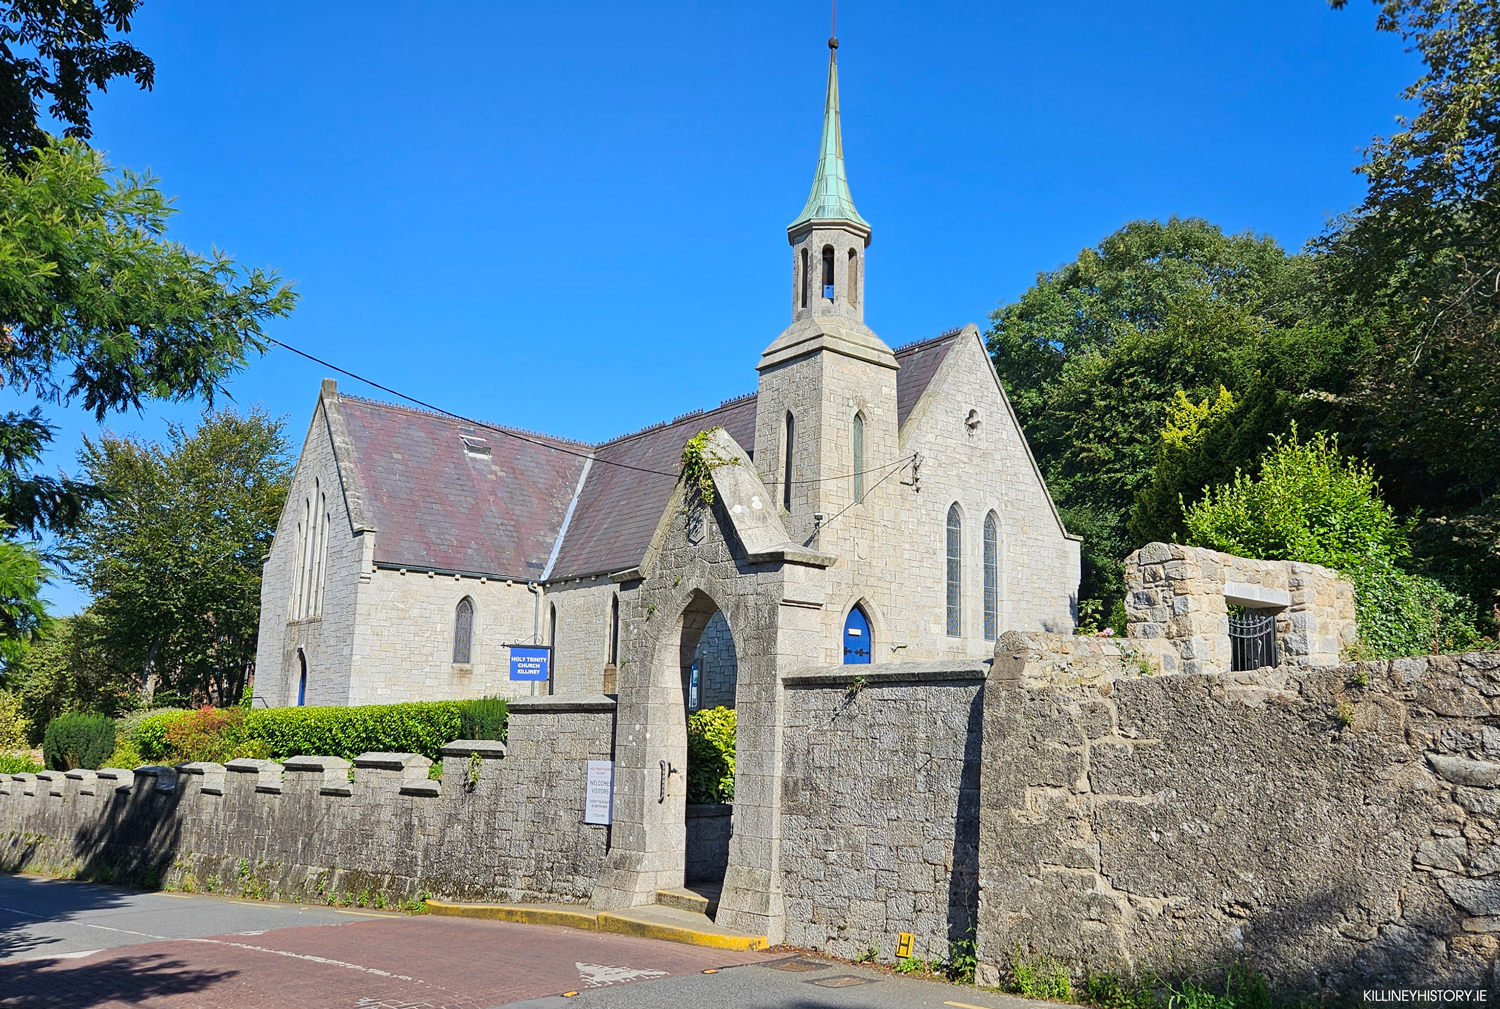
[{"x": 827, "y": 397}]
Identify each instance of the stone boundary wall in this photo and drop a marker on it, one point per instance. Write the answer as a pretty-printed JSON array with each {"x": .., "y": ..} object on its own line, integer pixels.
[
  {"x": 880, "y": 805},
  {"x": 302, "y": 830},
  {"x": 1177, "y": 602},
  {"x": 1331, "y": 826}
]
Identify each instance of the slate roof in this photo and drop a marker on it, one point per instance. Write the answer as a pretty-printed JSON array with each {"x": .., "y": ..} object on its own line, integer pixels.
[
  {"x": 919, "y": 362},
  {"x": 619, "y": 508},
  {"x": 437, "y": 505}
]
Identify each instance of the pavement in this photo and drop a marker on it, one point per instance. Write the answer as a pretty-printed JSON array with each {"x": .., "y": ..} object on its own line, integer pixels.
[{"x": 84, "y": 946}]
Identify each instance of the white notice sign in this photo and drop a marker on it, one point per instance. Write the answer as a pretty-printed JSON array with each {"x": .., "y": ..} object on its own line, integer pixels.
[{"x": 599, "y": 796}]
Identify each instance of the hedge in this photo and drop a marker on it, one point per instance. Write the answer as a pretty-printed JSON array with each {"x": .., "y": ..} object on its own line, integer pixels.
[
  {"x": 220, "y": 734},
  {"x": 710, "y": 756},
  {"x": 78, "y": 740}
]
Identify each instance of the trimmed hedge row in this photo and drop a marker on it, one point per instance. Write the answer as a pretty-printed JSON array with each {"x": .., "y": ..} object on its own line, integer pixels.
[{"x": 221, "y": 734}]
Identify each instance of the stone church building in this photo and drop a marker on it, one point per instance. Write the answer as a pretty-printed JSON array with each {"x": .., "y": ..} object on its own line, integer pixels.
[{"x": 868, "y": 505}]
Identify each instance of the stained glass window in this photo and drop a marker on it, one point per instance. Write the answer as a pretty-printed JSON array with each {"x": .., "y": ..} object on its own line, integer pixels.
[{"x": 955, "y": 573}]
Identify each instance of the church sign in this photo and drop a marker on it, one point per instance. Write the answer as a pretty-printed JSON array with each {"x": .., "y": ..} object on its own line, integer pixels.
[{"x": 530, "y": 663}]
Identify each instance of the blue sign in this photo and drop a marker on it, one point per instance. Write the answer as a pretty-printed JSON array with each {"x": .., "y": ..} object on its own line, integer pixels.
[{"x": 529, "y": 663}]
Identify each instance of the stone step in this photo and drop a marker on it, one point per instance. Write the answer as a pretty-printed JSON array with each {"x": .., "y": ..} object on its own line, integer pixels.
[
  {"x": 702, "y": 898},
  {"x": 671, "y": 924}
]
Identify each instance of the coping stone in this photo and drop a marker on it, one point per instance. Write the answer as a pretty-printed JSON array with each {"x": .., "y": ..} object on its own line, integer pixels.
[
  {"x": 933, "y": 671},
  {"x": 551, "y": 703},
  {"x": 488, "y": 749}
]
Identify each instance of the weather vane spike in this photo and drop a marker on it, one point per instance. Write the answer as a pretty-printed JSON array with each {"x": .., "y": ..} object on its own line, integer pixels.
[{"x": 833, "y": 29}]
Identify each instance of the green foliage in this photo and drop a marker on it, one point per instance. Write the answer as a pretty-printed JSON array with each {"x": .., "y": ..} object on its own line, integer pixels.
[
  {"x": 1400, "y": 613},
  {"x": 1188, "y": 459},
  {"x": 1308, "y": 503},
  {"x": 59, "y": 50},
  {"x": 14, "y": 729},
  {"x": 148, "y": 732},
  {"x": 96, "y": 306},
  {"x": 12, "y": 763},
  {"x": 699, "y": 463},
  {"x": 710, "y": 761},
  {"x": 65, "y": 668},
  {"x": 1093, "y": 354},
  {"x": 172, "y": 550},
  {"x": 1040, "y": 976},
  {"x": 78, "y": 740},
  {"x": 419, "y": 727},
  {"x": 483, "y": 718},
  {"x": 963, "y": 959}
]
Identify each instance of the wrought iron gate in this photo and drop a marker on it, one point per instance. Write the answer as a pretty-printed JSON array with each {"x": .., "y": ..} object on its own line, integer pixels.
[{"x": 1252, "y": 639}]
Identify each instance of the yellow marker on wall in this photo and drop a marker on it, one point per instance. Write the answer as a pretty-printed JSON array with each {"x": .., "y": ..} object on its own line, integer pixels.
[{"x": 904, "y": 941}]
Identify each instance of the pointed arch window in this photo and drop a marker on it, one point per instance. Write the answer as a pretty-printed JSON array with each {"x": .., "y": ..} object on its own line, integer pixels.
[
  {"x": 828, "y": 272},
  {"x": 614, "y": 630},
  {"x": 302, "y": 680},
  {"x": 312, "y": 555},
  {"x": 991, "y": 577},
  {"x": 463, "y": 632},
  {"x": 859, "y": 458},
  {"x": 786, "y": 460},
  {"x": 955, "y": 572},
  {"x": 853, "y": 278}
]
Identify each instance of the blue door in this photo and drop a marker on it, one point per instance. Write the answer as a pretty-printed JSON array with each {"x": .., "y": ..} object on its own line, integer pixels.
[{"x": 857, "y": 643}]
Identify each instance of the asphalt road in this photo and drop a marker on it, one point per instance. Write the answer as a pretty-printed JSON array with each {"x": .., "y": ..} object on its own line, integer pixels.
[
  {"x": 48, "y": 918},
  {"x": 787, "y": 983},
  {"x": 83, "y": 946}
]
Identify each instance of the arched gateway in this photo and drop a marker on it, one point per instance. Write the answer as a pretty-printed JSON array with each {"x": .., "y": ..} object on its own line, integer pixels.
[{"x": 732, "y": 556}]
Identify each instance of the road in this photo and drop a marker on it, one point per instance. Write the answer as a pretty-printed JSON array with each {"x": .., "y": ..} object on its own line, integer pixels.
[{"x": 83, "y": 946}]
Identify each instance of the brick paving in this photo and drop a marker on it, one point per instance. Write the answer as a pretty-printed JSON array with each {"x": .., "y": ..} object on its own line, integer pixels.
[{"x": 390, "y": 963}]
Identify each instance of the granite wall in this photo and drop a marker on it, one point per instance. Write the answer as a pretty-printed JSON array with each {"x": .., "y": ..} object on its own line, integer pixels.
[
  {"x": 507, "y": 826},
  {"x": 1332, "y": 826},
  {"x": 880, "y": 805}
]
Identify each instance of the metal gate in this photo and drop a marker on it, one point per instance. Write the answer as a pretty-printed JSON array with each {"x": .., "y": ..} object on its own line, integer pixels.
[{"x": 1252, "y": 639}]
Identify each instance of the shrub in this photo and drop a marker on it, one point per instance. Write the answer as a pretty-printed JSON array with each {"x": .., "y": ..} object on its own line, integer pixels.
[
  {"x": 149, "y": 732},
  {"x": 483, "y": 718},
  {"x": 214, "y": 734},
  {"x": 420, "y": 727},
  {"x": 17, "y": 763},
  {"x": 1312, "y": 504},
  {"x": 125, "y": 755},
  {"x": 1309, "y": 503},
  {"x": 1406, "y": 614},
  {"x": 710, "y": 761},
  {"x": 78, "y": 740},
  {"x": 14, "y": 728}
]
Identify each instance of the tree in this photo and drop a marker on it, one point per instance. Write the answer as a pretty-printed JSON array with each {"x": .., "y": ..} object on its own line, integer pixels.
[
  {"x": 65, "y": 668},
  {"x": 1419, "y": 262},
  {"x": 172, "y": 550},
  {"x": 1093, "y": 354},
  {"x": 96, "y": 305},
  {"x": 57, "y": 50}
]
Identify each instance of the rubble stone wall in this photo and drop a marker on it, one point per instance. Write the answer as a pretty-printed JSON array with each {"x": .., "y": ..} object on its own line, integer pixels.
[{"x": 1331, "y": 826}]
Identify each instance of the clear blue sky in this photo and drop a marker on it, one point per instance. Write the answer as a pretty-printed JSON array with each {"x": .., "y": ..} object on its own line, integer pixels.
[{"x": 571, "y": 218}]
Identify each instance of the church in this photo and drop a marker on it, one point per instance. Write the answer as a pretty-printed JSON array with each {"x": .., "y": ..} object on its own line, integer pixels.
[{"x": 864, "y": 505}]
